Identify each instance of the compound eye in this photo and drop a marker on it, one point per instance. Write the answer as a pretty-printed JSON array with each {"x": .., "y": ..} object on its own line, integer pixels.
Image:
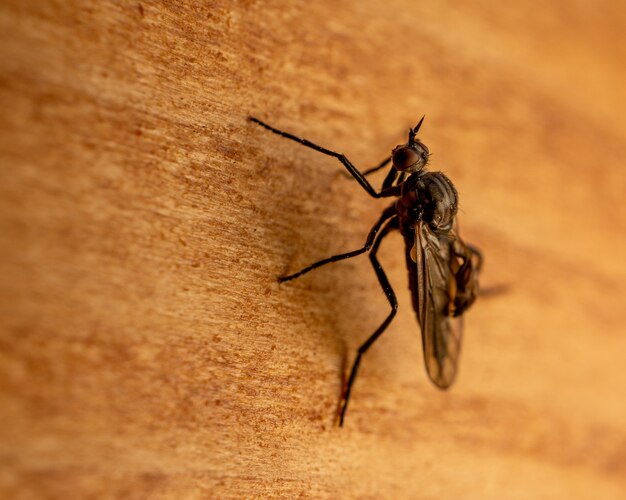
[{"x": 405, "y": 157}]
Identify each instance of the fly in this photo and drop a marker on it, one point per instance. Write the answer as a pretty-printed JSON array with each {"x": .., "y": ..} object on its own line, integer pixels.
[{"x": 443, "y": 269}]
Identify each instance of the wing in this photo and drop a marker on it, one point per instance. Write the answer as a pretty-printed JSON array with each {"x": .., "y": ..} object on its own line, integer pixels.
[{"x": 436, "y": 292}]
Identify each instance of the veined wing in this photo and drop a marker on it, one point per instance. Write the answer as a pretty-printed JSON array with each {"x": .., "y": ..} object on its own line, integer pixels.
[{"x": 436, "y": 288}]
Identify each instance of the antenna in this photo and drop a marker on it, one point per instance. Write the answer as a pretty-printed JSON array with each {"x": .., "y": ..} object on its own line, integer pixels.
[
  {"x": 413, "y": 131},
  {"x": 417, "y": 127}
]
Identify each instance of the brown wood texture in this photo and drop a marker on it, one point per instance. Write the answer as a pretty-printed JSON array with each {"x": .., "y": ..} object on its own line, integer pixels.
[{"x": 146, "y": 348}]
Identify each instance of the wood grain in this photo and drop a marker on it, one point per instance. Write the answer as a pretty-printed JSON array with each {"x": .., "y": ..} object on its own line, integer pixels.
[{"x": 146, "y": 348}]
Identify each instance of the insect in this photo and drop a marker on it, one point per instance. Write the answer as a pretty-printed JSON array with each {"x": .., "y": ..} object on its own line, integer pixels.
[{"x": 443, "y": 269}]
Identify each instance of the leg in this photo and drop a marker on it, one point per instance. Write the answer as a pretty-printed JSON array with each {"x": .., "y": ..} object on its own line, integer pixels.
[
  {"x": 379, "y": 166},
  {"x": 382, "y": 164},
  {"x": 478, "y": 254},
  {"x": 390, "y": 178},
  {"x": 391, "y": 297},
  {"x": 387, "y": 214},
  {"x": 360, "y": 178}
]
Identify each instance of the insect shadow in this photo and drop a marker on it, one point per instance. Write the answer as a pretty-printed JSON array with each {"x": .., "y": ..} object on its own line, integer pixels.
[{"x": 443, "y": 269}]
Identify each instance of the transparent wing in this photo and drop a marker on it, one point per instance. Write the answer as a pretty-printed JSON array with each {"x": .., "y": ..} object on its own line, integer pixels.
[{"x": 436, "y": 288}]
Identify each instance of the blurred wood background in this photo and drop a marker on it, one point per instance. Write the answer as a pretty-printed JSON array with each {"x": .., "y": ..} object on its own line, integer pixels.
[{"x": 146, "y": 348}]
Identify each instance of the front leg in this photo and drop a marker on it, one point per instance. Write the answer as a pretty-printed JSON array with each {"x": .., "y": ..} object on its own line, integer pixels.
[
  {"x": 360, "y": 178},
  {"x": 382, "y": 164}
]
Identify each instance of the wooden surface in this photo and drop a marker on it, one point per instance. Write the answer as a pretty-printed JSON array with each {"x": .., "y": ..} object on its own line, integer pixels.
[{"x": 146, "y": 348}]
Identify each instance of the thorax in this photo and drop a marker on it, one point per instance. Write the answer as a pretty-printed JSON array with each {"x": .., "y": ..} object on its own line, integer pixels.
[{"x": 429, "y": 197}]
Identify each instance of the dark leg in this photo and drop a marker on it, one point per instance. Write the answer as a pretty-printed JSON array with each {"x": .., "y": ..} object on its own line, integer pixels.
[
  {"x": 360, "y": 178},
  {"x": 393, "y": 181},
  {"x": 389, "y": 178},
  {"x": 391, "y": 297},
  {"x": 478, "y": 254},
  {"x": 382, "y": 164},
  {"x": 387, "y": 214}
]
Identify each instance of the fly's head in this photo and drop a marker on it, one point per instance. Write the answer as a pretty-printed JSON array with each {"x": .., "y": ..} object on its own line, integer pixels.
[{"x": 412, "y": 156}]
